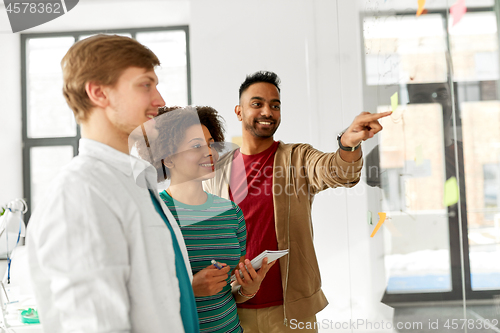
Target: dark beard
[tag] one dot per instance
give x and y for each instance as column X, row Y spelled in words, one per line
column 259, row 134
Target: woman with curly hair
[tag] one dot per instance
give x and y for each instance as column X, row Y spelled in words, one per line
column 185, row 152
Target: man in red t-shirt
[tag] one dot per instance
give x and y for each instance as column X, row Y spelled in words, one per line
column 273, row 182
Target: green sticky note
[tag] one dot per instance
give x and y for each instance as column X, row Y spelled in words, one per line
column 450, row 192
column 369, row 217
column 394, row 102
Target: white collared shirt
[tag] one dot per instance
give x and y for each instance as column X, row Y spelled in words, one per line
column 101, row 258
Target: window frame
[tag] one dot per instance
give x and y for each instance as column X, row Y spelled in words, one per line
column 28, row 142
column 461, row 285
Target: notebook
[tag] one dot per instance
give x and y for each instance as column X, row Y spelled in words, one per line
column 270, row 255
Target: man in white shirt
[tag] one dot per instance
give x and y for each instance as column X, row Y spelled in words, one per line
column 105, row 254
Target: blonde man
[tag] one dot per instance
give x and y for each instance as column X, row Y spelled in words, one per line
column 105, row 254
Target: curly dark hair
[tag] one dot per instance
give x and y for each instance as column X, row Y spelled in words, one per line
column 172, row 123
column 261, row 76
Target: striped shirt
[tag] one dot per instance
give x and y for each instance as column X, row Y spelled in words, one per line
column 214, row 230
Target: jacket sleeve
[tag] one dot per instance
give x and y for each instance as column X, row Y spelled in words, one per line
column 81, row 250
column 329, row 170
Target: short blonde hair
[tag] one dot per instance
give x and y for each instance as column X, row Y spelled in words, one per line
column 101, row 59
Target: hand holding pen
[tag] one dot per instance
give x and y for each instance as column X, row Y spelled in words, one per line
column 216, row 264
column 210, row 280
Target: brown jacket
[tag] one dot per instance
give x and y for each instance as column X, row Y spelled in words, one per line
column 299, row 172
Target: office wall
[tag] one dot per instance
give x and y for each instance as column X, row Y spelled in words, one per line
column 315, row 48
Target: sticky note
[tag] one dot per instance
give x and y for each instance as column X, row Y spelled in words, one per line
column 458, row 10
column 379, row 224
column 394, row 102
column 419, row 155
column 450, row 192
column 421, row 4
column 369, row 217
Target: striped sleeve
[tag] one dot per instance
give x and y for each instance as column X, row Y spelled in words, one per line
column 241, row 233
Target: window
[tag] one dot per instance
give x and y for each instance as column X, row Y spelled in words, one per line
column 446, row 126
column 491, row 173
column 50, row 133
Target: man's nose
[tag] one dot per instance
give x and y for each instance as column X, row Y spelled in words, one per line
column 157, row 99
column 266, row 111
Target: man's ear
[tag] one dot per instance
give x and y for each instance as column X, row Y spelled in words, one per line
column 237, row 111
column 98, row 94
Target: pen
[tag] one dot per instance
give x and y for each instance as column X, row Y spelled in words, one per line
column 216, row 264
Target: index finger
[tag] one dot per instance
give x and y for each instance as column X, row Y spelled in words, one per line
column 212, row 266
column 250, row 268
column 219, row 272
column 375, row 116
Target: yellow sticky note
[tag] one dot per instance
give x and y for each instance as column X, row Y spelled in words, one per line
column 419, row 155
column 421, row 4
column 394, row 102
column 450, row 192
column 379, row 224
